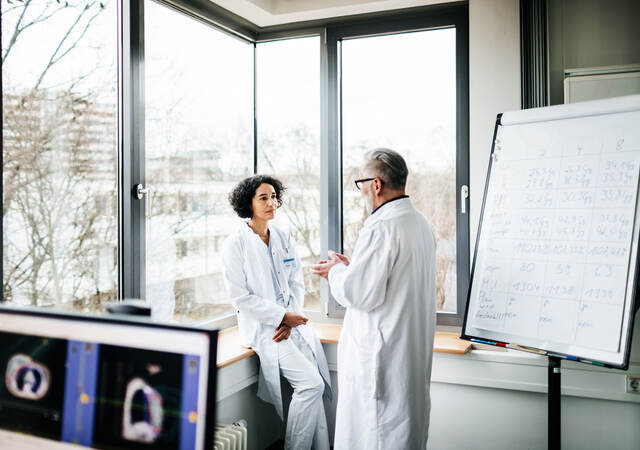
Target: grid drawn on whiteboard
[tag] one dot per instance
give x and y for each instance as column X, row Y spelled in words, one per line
column 559, row 216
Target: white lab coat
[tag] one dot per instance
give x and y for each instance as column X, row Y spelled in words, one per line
column 386, row 345
column 247, row 273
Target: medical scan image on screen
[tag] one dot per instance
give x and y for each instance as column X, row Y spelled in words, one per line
column 138, row 399
column 31, row 395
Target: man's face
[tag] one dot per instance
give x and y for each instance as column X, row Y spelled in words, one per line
column 367, row 188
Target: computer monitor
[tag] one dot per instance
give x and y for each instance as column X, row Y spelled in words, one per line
column 107, row 382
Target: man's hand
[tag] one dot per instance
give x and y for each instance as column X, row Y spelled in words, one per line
column 322, row 268
column 282, row 332
column 343, row 259
column 293, row 320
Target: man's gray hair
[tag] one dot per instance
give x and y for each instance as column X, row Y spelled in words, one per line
column 389, row 166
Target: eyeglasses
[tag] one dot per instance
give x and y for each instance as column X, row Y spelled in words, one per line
column 362, row 180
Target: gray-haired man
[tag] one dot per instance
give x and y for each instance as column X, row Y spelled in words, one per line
column 388, row 288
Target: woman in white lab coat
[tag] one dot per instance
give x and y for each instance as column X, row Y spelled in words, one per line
column 264, row 279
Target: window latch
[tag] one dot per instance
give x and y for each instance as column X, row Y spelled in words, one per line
column 144, row 192
column 464, row 195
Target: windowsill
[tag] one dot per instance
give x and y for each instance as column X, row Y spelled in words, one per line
column 455, row 361
column 231, row 350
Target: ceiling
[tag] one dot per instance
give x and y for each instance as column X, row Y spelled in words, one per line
column 264, row 13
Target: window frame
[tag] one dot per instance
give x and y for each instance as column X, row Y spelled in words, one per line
column 133, row 168
column 130, row 119
column 447, row 17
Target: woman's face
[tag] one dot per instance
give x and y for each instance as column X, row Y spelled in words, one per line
column 264, row 202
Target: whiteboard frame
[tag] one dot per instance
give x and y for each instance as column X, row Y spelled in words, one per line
column 628, row 314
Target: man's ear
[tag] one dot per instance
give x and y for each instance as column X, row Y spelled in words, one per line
column 378, row 186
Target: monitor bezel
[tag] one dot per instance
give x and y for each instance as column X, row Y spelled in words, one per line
column 141, row 321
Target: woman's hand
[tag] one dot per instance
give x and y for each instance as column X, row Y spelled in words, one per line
column 282, row 332
column 292, row 320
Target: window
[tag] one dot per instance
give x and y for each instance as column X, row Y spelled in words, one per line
column 402, row 83
column 198, row 144
column 288, row 118
column 59, row 153
column 191, row 104
column 399, row 92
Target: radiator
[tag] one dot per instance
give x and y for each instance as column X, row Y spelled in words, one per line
column 231, row 436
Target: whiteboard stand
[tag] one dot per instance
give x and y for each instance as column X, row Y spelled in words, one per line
column 554, row 398
column 556, row 268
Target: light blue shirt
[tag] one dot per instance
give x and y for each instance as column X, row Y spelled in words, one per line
column 295, row 336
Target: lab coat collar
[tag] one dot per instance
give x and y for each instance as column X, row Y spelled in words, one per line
column 275, row 236
column 246, row 229
column 390, row 209
column 389, row 201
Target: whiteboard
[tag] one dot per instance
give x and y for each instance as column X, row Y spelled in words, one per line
column 556, row 255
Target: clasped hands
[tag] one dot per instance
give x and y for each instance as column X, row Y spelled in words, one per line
column 289, row 322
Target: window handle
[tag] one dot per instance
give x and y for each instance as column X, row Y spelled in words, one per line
column 145, row 192
column 464, row 195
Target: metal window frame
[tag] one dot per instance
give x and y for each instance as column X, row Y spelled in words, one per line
column 131, row 167
column 334, row 31
column 534, row 54
column 131, row 128
column 452, row 16
column 131, row 138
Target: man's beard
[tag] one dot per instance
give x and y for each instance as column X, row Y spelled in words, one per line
column 368, row 204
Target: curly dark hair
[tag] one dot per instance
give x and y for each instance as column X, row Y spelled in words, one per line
column 241, row 196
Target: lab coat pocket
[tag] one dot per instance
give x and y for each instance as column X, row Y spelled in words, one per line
column 377, row 369
column 362, row 364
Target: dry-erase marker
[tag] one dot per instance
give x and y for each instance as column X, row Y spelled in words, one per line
column 595, row 363
column 480, row 341
column 572, row 358
column 527, row 349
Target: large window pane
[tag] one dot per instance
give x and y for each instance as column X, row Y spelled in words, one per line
column 59, row 152
column 399, row 91
column 199, row 143
column 288, row 109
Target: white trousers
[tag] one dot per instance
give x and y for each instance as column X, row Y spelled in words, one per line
column 306, row 422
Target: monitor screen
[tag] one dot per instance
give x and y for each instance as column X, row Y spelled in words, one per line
column 107, row 383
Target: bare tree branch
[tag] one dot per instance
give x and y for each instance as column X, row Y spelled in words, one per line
column 16, row 31
column 55, row 58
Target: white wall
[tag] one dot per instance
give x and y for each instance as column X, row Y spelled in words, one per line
column 468, row 417
column 494, row 85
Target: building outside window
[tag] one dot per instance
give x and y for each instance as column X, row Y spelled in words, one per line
column 59, row 153
column 198, row 144
column 217, row 107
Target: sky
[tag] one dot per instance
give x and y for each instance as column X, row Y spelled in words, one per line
column 395, row 88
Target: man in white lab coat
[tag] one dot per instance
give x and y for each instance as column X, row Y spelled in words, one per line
column 388, row 288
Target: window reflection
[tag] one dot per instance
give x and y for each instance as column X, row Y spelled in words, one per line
column 199, row 143
column 399, row 91
column 288, row 100
column 59, row 153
